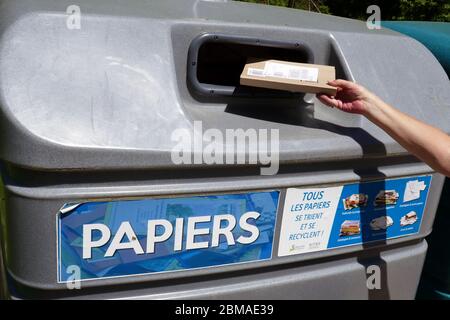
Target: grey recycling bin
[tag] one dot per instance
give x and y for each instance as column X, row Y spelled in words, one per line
column 96, row 96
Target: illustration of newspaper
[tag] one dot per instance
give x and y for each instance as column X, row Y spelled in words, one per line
column 355, row 201
column 386, row 197
column 412, row 190
column 349, row 228
column 381, row 223
column 409, row 218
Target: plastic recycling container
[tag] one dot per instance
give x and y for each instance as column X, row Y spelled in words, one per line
column 435, row 280
column 98, row 100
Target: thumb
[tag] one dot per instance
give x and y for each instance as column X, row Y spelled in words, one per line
column 340, row 83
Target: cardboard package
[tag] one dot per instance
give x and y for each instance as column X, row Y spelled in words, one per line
column 289, row 76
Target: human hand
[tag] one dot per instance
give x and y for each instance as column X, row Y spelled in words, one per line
column 350, row 97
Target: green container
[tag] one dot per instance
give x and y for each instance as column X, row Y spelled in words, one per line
column 436, row 270
column 435, row 282
column 434, row 35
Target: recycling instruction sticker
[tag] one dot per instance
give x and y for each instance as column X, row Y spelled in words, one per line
column 316, row 219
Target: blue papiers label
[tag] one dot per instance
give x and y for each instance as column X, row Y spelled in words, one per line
column 134, row 237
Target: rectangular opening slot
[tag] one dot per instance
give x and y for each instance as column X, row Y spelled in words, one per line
column 215, row 63
column 222, row 63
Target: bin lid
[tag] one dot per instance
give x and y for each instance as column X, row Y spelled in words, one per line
column 111, row 93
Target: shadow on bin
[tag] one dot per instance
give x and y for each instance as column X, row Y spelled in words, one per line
column 301, row 114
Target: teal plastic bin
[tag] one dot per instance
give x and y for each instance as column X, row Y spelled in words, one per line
column 435, row 281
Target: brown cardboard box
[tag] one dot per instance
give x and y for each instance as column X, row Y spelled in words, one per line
column 289, row 76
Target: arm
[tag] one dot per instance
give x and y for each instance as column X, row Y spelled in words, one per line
column 427, row 143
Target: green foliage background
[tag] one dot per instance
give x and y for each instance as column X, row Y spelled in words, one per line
column 416, row 10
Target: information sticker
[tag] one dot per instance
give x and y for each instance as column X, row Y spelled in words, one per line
column 316, row 219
